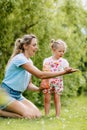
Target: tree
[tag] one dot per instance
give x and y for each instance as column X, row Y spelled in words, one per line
column 47, row 19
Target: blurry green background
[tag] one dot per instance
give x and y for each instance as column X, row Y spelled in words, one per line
column 47, row 19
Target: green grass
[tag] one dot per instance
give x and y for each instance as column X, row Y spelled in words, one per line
column 73, row 117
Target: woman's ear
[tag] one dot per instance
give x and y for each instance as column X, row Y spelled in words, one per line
column 25, row 46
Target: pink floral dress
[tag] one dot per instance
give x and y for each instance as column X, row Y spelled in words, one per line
column 56, row 84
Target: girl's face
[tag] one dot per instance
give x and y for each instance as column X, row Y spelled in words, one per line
column 59, row 51
column 32, row 47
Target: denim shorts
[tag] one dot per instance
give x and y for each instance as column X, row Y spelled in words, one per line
column 12, row 95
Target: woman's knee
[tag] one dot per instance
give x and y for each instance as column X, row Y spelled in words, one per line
column 31, row 115
column 25, row 115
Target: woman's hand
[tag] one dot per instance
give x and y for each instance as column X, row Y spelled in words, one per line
column 70, row 70
column 44, row 84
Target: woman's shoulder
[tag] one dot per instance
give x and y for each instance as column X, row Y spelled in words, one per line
column 20, row 55
column 21, row 59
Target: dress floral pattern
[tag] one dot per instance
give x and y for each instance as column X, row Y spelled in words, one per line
column 56, row 84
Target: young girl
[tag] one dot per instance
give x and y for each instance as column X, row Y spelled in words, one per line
column 55, row 63
column 17, row 79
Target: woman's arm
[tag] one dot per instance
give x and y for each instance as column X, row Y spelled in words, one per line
column 32, row 87
column 42, row 74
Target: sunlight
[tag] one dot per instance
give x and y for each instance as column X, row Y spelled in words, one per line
column 84, row 3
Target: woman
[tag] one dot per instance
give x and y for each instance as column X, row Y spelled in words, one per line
column 18, row 78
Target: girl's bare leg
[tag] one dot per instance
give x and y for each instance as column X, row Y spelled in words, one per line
column 57, row 104
column 47, row 97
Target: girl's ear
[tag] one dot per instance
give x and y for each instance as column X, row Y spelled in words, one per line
column 53, row 49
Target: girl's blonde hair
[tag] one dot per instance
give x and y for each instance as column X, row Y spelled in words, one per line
column 54, row 44
column 19, row 44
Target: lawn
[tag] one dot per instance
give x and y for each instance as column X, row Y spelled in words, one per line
column 73, row 117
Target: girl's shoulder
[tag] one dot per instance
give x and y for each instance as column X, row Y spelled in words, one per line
column 47, row 59
column 62, row 60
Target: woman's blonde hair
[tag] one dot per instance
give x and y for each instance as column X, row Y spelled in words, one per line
column 19, row 44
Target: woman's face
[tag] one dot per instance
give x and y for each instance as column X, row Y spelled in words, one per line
column 32, row 47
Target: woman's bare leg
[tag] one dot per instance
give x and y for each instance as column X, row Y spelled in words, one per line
column 47, row 98
column 57, row 104
column 4, row 113
column 35, row 111
column 24, row 108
